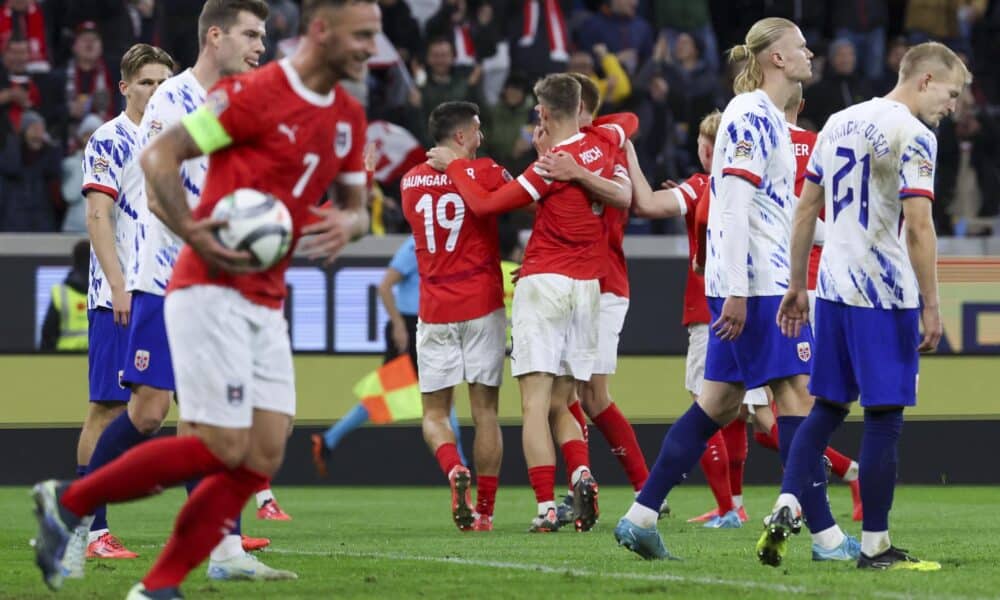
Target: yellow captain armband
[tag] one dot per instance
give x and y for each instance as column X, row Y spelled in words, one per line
column 206, row 130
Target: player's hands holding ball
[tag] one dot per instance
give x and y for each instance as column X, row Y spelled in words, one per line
column 733, row 318
column 440, row 157
column 201, row 236
column 793, row 312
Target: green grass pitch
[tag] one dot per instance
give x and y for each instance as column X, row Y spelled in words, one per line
column 393, row 542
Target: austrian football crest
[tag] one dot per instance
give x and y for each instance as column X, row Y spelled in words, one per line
column 342, row 143
column 141, row 361
column 805, row 352
column 234, row 394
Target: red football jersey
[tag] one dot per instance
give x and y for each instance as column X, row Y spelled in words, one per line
column 569, row 236
column 287, row 141
column 615, row 219
column 458, row 252
column 694, row 193
column 803, row 142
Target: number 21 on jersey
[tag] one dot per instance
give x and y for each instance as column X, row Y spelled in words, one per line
column 439, row 215
column 840, row 202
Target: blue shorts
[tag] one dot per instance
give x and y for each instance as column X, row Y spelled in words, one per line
column 761, row 353
column 147, row 357
column 105, row 353
column 866, row 351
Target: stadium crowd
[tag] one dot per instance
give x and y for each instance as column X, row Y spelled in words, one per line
column 661, row 59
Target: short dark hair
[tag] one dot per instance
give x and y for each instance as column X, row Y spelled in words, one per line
column 309, row 7
column 140, row 55
column 449, row 116
column 223, row 14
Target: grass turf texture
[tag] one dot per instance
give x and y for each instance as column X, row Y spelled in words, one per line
column 399, row 542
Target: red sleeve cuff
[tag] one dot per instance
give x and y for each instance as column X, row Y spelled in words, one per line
column 909, row 192
column 743, row 174
column 100, row 188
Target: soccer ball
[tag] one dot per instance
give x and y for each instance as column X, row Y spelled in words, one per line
column 256, row 222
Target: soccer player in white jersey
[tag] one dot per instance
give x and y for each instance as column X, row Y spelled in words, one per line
column 873, row 170
column 753, row 174
column 111, row 180
column 231, row 34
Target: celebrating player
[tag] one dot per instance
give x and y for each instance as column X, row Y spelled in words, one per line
column 111, row 183
column 557, row 297
column 461, row 330
column 873, row 169
column 594, row 395
column 242, row 398
column 753, row 174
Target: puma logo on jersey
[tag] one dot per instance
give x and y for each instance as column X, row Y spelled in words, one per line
column 590, row 155
column 288, row 132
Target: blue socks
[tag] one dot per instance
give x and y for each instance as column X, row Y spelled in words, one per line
column 119, row 436
column 356, row 417
column 237, row 525
column 878, row 466
column 101, row 513
column 787, row 426
column 805, row 477
column 683, row 445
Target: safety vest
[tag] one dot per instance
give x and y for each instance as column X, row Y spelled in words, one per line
column 72, row 308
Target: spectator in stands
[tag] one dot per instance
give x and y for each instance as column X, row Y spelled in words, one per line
column 65, row 326
column 674, row 17
column 507, row 125
column 23, row 19
column 890, row 70
column 839, row 88
column 401, row 28
column 442, row 82
column 87, row 78
column 947, row 21
column 75, row 220
column 656, row 87
column 615, row 86
column 809, row 16
column 863, row 22
column 472, row 28
column 30, row 170
column 18, row 92
column 180, row 31
column 539, row 36
column 282, row 23
column 617, row 26
column 146, row 16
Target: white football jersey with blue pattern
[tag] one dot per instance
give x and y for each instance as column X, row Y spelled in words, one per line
column 111, row 166
column 869, row 158
column 156, row 246
column 753, row 143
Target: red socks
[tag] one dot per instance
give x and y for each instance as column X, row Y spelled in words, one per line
column 486, row 493
column 448, row 457
column 621, row 437
column 543, row 481
column 735, row 435
column 264, row 485
column 581, row 419
column 839, row 463
column 768, row 440
column 203, row 521
column 142, row 471
column 576, row 454
column 715, row 464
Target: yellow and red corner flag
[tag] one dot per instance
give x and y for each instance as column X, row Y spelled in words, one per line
column 390, row 392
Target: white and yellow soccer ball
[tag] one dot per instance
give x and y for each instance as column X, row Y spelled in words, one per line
column 256, row 222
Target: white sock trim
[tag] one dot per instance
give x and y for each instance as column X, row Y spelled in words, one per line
column 737, row 500
column 829, row 538
column 643, row 516
column 543, row 507
column 263, row 496
column 852, row 472
column 579, row 472
column 93, row 535
column 231, row 546
column 874, row 543
column 790, row 501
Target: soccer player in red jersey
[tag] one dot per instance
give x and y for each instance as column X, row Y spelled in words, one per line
column 462, row 323
column 288, row 130
column 557, row 297
column 594, row 396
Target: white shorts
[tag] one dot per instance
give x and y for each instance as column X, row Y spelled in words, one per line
column 609, row 328
column 555, row 325
column 755, row 397
column 230, row 356
column 450, row 353
column 694, row 368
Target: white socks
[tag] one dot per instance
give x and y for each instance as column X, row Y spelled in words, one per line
column 829, row 538
column 579, row 472
column 643, row 516
column 852, row 472
column 230, row 547
column 543, row 507
column 263, row 497
column 737, row 501
column 874, row 543
column 790, row 501
column 93, row 535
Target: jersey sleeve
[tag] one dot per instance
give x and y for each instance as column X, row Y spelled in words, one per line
column 481, row 201
column 749, row 142
column 623, row 125
column 492, row 176
column 701, row 223
column 532, row 182
column 352, row 169
column 814, row 168
column 161, row 112
column 231, row 114
column 916, row 173
column 102, row 165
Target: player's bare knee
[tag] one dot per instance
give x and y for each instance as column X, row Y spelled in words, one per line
column 230, row 446
column 148, row 408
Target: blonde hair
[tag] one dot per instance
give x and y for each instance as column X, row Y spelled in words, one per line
column 709, row 125
column 560, row 93
column 590, row 94
column 760, row 37
column 916, row 60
